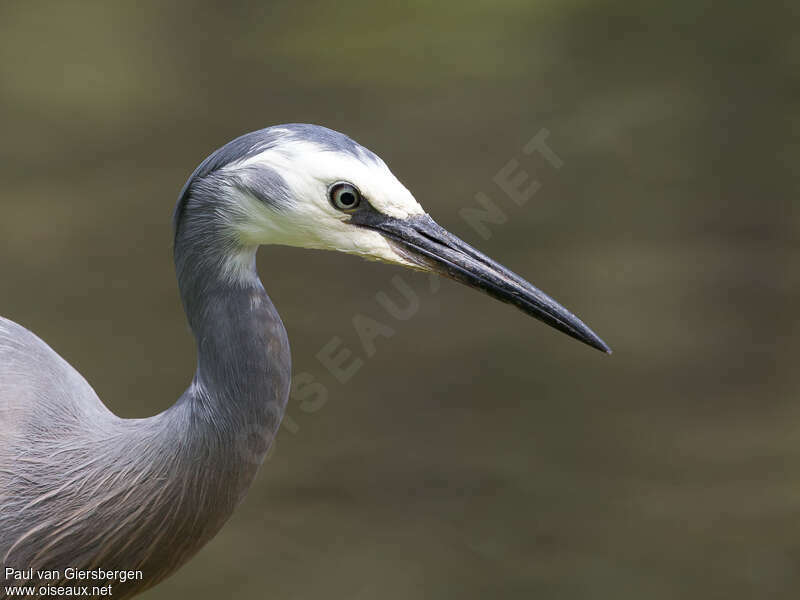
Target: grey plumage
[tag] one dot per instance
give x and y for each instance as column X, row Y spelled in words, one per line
column 81, row 487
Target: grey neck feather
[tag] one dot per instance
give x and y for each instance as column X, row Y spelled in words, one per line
column 227, row 419
column 147, row 494
column 242, row 381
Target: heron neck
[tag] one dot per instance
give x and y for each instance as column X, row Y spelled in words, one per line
column 242, row 380
column 191, row 465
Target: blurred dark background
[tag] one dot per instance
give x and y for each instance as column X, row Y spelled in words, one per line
column 477, row 453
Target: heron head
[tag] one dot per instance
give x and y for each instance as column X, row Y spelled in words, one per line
column 308, row 186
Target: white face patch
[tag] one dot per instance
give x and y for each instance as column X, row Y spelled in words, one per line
column 309, row 220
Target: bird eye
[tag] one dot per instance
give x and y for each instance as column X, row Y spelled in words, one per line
column 344, row 196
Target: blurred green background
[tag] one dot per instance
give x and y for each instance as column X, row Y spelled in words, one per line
column 477, row 453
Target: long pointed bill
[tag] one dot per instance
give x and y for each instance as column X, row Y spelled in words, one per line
column 421, row 241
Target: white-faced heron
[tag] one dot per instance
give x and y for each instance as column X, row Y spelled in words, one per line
column 81, row 488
